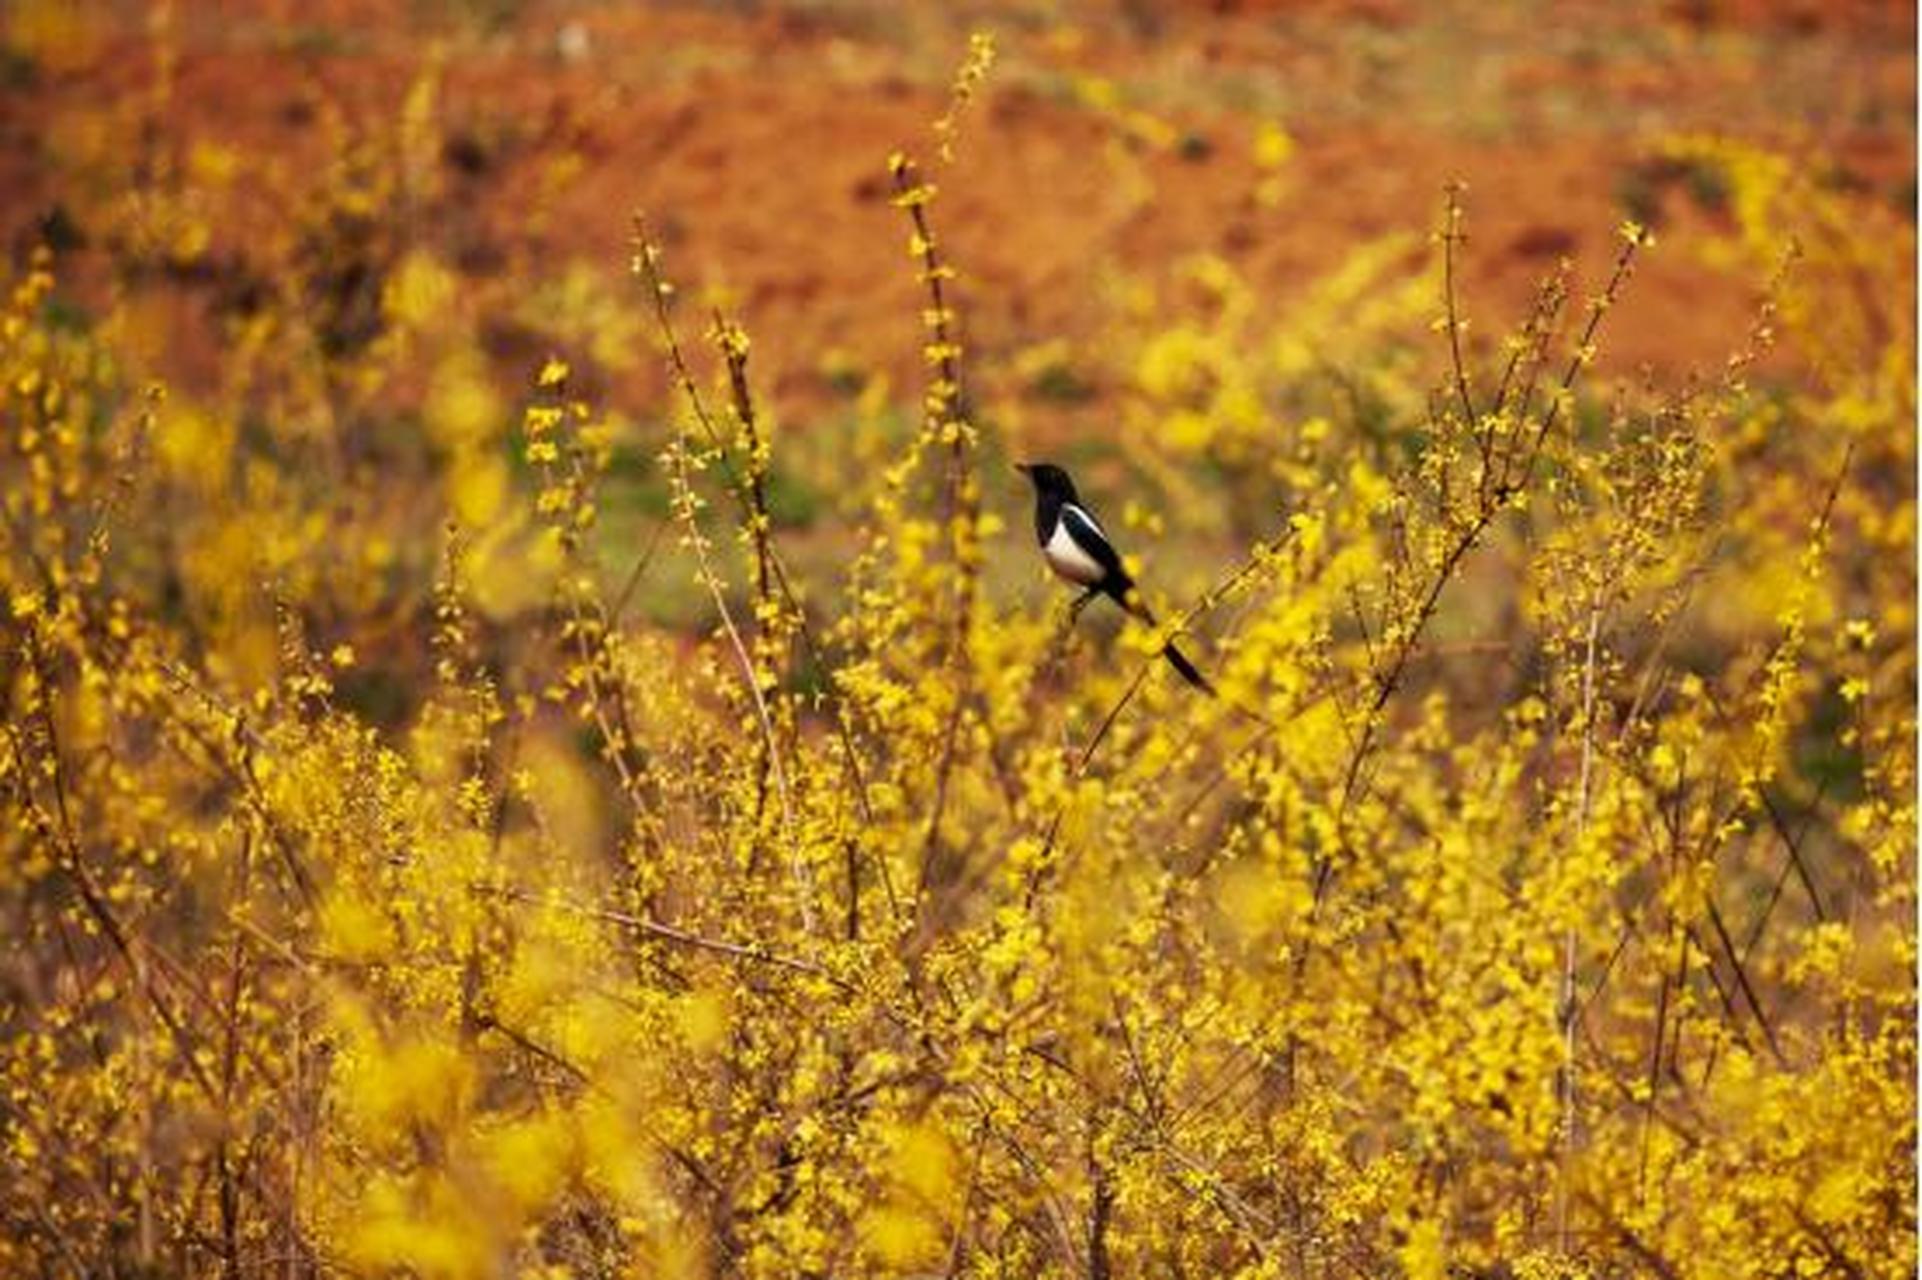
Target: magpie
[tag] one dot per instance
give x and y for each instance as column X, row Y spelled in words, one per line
column 1073, row 544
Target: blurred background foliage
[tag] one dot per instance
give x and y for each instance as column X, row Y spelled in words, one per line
column 491, row 792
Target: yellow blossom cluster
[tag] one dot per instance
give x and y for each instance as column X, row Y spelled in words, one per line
column 1537, row 898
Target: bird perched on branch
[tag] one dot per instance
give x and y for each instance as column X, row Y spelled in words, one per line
column 1077, row 549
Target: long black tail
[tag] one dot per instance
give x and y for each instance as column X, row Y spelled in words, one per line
column 1130, row 599
column 1179, row 661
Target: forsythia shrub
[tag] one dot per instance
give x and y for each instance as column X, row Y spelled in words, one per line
column 890, row 930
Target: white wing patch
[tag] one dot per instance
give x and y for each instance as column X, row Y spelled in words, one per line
column 1076, row 511
column 1065, row 557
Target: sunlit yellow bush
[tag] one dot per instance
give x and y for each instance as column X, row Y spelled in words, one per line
column 1536, row 899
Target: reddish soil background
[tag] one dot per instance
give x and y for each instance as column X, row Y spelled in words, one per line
column 1112, row 139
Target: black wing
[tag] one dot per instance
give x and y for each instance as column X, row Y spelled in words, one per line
column 1088, row 536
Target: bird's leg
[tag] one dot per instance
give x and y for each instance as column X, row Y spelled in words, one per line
column 1064, row 633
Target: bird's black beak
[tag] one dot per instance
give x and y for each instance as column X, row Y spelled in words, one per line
column 1025, row 468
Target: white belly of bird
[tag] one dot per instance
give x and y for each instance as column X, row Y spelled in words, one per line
column 1066, row 558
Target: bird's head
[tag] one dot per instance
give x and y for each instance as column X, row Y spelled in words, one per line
column 1048, row 478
